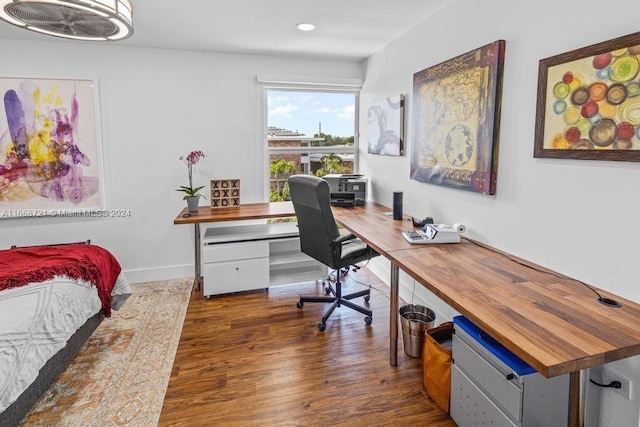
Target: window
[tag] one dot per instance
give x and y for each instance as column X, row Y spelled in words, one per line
column 310, row 132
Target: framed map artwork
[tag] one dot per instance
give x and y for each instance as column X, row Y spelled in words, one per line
column 385, row 126
column 456, row 118
column 589, row 103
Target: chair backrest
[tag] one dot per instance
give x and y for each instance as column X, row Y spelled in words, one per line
column 311, row 200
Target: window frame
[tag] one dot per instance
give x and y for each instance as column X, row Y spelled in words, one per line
column 306, row 88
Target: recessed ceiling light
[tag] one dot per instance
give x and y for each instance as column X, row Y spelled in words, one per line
column 306, row 26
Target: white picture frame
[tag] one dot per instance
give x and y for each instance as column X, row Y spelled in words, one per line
column 50, row 148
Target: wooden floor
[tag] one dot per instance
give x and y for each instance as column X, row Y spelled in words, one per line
column 254, row 359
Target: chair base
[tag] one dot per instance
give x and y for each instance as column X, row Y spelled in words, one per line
column 336, row 300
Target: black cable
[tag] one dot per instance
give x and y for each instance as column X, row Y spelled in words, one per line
column 602, row 300
column 362, row 283
column 612, row 384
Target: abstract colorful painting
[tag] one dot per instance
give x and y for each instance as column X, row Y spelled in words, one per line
column 456, row 116
column 589, row 102
column 49, row 147
column 385, row 127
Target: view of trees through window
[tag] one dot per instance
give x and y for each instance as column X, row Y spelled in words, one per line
column 310, row 133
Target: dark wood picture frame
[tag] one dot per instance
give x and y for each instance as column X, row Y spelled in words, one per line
column 456, row 120
column 588, row 104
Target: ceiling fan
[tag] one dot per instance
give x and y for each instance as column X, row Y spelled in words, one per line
column 95, row 20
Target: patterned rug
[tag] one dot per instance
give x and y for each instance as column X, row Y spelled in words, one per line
column 120, row 375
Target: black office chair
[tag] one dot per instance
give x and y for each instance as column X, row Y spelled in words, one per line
column 321, row 240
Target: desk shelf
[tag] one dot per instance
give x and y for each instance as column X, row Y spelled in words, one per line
column 297, row 275
column 277, row 259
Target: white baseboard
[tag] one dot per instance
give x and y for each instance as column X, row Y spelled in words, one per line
column 410, row 291
column 159, row 273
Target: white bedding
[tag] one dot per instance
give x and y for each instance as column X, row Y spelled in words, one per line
column 36, row 321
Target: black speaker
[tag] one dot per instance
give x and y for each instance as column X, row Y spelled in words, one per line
column 397, row 205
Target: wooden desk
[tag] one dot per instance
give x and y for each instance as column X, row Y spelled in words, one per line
column 236, row 213
column 554, row 324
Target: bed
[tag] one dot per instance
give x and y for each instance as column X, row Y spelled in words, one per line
column 51, row 300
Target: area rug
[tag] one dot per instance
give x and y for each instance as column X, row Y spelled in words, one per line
column 120, row 375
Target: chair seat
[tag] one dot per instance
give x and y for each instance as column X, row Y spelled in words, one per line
column 354, row 251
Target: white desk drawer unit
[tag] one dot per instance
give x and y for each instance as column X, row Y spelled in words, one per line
column 233, row 251
column 254, row 256
column 492, row 386
column 235, row 267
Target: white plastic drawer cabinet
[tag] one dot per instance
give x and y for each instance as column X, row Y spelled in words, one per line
column 492, row 386
column 254, row 256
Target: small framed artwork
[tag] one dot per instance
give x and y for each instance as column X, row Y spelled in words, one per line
column 456, row 119
column 588, row 103
column 385, row 126
column 50, row 154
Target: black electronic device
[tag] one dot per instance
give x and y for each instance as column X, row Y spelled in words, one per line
column 422, row 222
column 346, row 200
column 397, row 205
column 347, row 189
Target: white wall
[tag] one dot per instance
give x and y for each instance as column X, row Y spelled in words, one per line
column 155, row 106
column 544, row 209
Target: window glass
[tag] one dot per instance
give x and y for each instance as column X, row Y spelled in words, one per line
column 309, row 132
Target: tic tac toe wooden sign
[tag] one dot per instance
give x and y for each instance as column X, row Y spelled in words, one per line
column 225, row 193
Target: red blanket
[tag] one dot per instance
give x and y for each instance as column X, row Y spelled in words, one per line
column 94, row 264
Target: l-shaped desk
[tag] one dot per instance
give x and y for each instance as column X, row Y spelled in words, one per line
column 553, row 323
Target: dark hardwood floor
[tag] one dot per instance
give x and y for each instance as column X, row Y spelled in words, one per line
column 254, row 359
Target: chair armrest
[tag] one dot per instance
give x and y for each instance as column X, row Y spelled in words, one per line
column 336, row 245
column 343, row 238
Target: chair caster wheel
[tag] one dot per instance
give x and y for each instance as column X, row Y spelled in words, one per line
column 367, row 298
column 322, row 326
column 299, row 304
column 327, row 290
column 368, row 320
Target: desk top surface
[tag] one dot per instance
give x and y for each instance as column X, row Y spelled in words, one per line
column 236, row 213
column 553, row 323
column 374, row 224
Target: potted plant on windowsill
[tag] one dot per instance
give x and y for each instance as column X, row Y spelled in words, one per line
column 191, row 194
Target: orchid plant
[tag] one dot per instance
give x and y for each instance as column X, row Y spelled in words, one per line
column 191, row 160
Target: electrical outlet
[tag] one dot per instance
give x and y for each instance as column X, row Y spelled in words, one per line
column 609, row 375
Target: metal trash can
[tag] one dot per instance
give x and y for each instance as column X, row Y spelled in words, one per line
column 415, row 320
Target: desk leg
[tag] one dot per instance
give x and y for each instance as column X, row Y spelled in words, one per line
column 197, row 281
column 393, row 316
column 574, row 399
